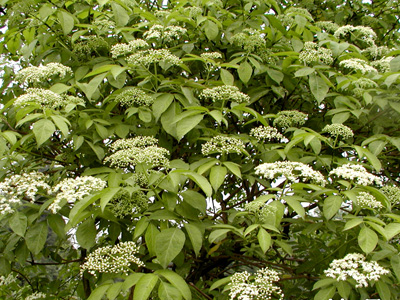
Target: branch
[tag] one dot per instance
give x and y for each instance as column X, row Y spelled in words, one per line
column 200, row 291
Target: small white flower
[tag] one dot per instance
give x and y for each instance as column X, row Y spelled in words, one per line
column 115, row 259
column 354, row 266
column 337, row 130
column 165, row 33
column 134, row 96
column 223, row 145
column 46, row 99
column 290, row 118
column 366, row 34
column 356, row 173
column 40, row 74
column 357, row 64
column 147, row 57
column 224, row 93
column 291, row 170
column 268, row 133
column 392, row 193
column 365, row 199
column 314, row 53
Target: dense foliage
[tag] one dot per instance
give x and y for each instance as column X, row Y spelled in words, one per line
column 199, row 149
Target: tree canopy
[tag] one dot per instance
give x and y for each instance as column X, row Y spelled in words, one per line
column 200, row 149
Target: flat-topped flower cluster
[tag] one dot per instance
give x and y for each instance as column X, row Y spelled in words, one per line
column 314, row 53
column 137, row 150
column 356, row 173
column 244, row 286
column 354, row 266
column 134, row 96
column 112, row 259
column 290, row 170
column 224, row 93
column 223, row 145
column 268, row 133
column 46, row 99
column 40, row 74
column 290, row 118
column 338, row 130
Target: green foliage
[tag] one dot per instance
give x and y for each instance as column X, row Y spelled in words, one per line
column 169, row 118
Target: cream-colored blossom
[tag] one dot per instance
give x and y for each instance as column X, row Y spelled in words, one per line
column 42, row 73
column 313, row 53
column 268, row 133
column 151, row 56
column 223, row 145
column 356, row 173
column 46, row 99
column 338, row 130
column 244, row 286
column 392, row 193
column 224, row 93
column 365, row 199
column 165, row 33
column 112, row 259
column 354, row 266
column 363, row 33
column 290, row 170
column 356, row 64
column 133, row 96
column 124, row 49
column 290, row 118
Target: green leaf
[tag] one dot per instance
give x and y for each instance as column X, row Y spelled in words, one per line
column 352, row 223
column 43, row 130
column 187, row 124
column 217, row 235
column 295, row 204
column 121, row 16
column 304, row 72
column 395, row 263
column 195, row 200
column 326, row 293
column 331, row 206
column 367, row 239
column 201, row 181
column 323, row 282
column 18, row 223
column 383, row 290
column 245, row 71
column 106, row 195
column 227, row 77
column 66, row 21
column 161, row 104
column 395, row 64
column 169, row 243
column 264, row 239
column 344, row 288
column 62, row 124
column 195, row 236
column 144, row 286
column 275, row 75
column 36, row 236
column 57, row 224
column 99, row 292
column 177, row 281
column 90, row 88
column 131, row 280
column 217, row 176
column 220, row 282
column 392, row 230
column 140, row 227
column 86, row 234
column 233, row 168
column 318, row 87
column 114, row 290
column 167, row 291
column 211, row 30
column 151, row 238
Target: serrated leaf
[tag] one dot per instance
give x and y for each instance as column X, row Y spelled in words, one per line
column 264, row 239
column 121, row 16
column 36, row 236
column 227, row 77
column 195, row 236
column 177, row 281
column 43, row 130
column 217, row 176
column 86, row 234
column 211, row 30
column 367, row 239
column 169, row 243
column 326, row 293
column 318, row 87
column 167, row 291
column 331, row 206
column 352, row 223
column 245, row 71
column 66, row 21
column 145, row 286
column 18, row 223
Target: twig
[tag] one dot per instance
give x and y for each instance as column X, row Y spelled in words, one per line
column 200, row 291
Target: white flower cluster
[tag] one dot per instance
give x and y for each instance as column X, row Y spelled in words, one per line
column 134, row 96
column 211, row 55
column 116, row 259
column 314, row 53
column 152, row 56
column 268, row 133
column 353, row 265
column 364, row 83
column 356, row 173
column 42, row 73
column 261, row 210
column 338, row 130
column 224, row 93
column 162, row 13
column 357, row 64
column 288, row 19
column 291, row 170
column 290, row 118
column 124, row 49
column 374, row 51
column 328, row 26
column 165, row 33
column 18, row 187
column 365, row 34
column 124, row 204
column 36, row 295
column 250, row 40
column 90, row 44
column 46, row 99
column 6, row 281
column 130, row 152
column 383, row 64
column 222, row 144
column 103, row 24
column 261, row 286
column 365, row 199
column 71, row 190
column 193, row 11
column 392, row 193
